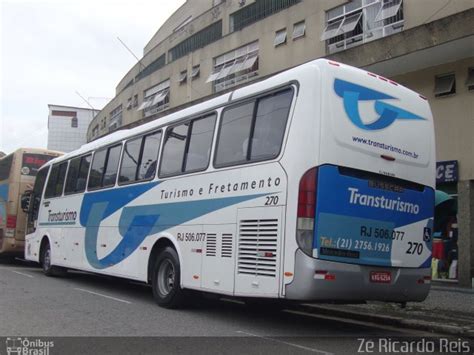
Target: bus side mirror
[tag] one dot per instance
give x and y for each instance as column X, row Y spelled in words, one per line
column 25, row 201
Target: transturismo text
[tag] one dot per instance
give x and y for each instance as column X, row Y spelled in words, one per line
column 398, row 205
column 62, row 216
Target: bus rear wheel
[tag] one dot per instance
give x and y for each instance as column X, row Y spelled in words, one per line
column 48, row 268
column 166, row 278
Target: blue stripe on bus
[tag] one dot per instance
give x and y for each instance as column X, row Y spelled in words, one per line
column 138, row 222
column 3, row 202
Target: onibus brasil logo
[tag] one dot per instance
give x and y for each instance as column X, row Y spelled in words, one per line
column 26, row 346
column 353, row 93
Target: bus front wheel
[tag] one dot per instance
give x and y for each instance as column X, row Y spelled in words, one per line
column 167, row 291
column 48, row 268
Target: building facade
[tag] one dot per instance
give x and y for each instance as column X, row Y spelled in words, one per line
column 67, row 127
column 209, row 47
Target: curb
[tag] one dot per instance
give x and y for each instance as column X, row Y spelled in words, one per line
column 388, row 320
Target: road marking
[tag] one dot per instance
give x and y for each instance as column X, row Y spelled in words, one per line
column 21, row 273
column 314, row 350
column 102, row 295
column 364, row 323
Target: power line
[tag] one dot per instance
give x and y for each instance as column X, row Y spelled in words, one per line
column 130, row 51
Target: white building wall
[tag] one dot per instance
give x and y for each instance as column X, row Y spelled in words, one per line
column 62, row 136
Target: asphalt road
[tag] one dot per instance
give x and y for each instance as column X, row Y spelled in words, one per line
column 85, row 305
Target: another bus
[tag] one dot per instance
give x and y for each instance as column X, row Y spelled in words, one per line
column 17, row 174
column 314, row 184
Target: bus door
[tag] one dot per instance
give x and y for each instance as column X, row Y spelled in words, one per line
column 259, row 245
column 36, row 200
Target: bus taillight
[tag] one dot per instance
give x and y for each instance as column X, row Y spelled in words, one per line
column 306, row 211
column 11, row 221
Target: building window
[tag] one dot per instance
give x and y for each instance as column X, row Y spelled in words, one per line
column 64, row 113
column 74, row 122
column 198, row 40
column 95, row 131
column 361, row 21
column 115, row 118
column 157, row 64
column 183, row 77
column 445, row 85
column 156, row 99
column 389, row 9
column 470, row 79
column 184, row 23
column 280, row 37
column 299, row 30
column 257, row 11
column 235, row 67
column 135, row 100
column 195, row 72
column 129, row 103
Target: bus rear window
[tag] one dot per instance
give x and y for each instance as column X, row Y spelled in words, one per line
column 32, row 162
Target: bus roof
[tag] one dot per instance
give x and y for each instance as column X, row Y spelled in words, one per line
column 278, row 79
column 34, row 151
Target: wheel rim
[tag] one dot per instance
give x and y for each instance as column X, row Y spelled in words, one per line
column 47, row 259
column 166, row 276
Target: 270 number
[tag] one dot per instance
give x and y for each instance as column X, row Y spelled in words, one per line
column 271, row 200
column 414, row 247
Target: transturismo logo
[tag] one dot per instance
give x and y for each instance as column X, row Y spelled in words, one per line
column 398, row 205
column 67, row 216
column 25, row 346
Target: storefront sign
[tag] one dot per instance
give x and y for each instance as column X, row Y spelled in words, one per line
column 446, row 171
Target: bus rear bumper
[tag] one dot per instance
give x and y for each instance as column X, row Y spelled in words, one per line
column 351, row 282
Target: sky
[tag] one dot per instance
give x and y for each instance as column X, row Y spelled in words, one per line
column 49, row 50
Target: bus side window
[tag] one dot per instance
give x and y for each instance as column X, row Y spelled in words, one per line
column 82, row 175
column 72, row 176
column 113, row 157
column 130, row 160
column 77, row 174
column 200, row 141
column 187, row 146
column 234, row 132
column 149, row 158
column 270, row 123
column 104, row 167
column 97, row 170
column 173, row 150
column 252, row 133
column 54, row 188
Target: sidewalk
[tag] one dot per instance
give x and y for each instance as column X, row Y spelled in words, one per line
column 447, row 309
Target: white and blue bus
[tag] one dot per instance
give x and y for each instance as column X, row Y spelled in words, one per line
column 314, row 184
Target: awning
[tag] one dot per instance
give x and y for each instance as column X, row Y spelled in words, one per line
column 349, row 23
column 331, row 30
column 160, row 97
column 388, row 9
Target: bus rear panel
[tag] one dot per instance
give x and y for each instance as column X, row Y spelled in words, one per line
column 365, row 213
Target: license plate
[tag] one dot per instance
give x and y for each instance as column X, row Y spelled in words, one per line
column 383, row 277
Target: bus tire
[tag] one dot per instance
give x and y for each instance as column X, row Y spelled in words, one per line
column 166, row 277
column 48, row 268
